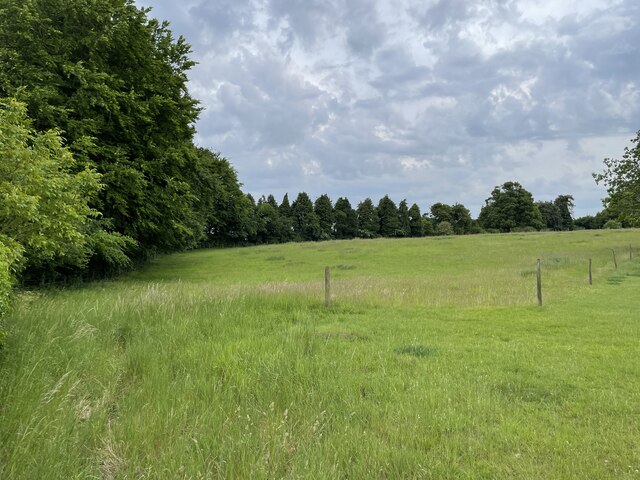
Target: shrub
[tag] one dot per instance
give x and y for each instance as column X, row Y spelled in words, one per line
column 444, row 228
column 10, row 261
column 612, row 224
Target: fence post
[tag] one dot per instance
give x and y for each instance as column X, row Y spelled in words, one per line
column 590, row 277
column 539, row 283
column 327, row 286
column 615, row 262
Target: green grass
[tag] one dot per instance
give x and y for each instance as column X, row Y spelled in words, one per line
column 433, row 362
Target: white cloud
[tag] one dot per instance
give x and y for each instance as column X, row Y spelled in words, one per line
column 436, row 100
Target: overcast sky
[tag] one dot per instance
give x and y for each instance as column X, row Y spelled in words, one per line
column 432, row 101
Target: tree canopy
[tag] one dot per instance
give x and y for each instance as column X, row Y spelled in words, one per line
column 622, row 179
column 510, row 207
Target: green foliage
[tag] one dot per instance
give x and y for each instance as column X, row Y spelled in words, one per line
column 612, row 225
column 551, row 215
column 444, row 228
column 404, row 222
column 441, row 212
column 510, row 206
column 388, row 217
column 565, row 206
column 324, row 211
column 427, row 225
column 346, row 225
column 45, row 198
column 416, row 225
column 115, row 83
column 622, row 179
column 10, row 264
column 219, row 204
column 461, row 220
column 368, row 221
column 305, row 222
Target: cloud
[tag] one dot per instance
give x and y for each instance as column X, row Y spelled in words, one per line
column 429, row 100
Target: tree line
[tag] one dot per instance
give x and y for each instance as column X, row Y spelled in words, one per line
column 510, row 208
column 99, row 170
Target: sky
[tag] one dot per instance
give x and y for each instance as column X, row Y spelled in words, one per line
column 428, row 100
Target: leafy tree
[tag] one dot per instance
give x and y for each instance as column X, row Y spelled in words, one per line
column 565, row 207
column 388, row 217
column 286, row 215
column 510, row 207
column 444, row 228
column 269, row 222
column 115, row 82
column 622, row 179
column 416, row 225
column 305, row 222
column 441, row 212
column 44, row 213
column 346, row 225
column 460, row 219
column 551, row 215
column 253, row 224
column 368, row 221
column 403, row 219
column 324, row 211
column 594, row 222
column 427, row 225
column 271, row 200
column 221, row 206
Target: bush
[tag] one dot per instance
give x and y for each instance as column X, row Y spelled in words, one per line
column 444, row 228
column 10, row 261
column 612, row 224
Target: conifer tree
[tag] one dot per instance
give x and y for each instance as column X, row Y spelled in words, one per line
column 346, row 219
column 368, row 221
column 388, row 217
column 324, row 211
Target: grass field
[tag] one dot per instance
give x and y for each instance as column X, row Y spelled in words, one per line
column 433, row 362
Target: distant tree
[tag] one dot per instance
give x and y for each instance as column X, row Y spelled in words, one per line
column 45, row 215
column 269, row 222
column 346, row 219
column 427, row 225
column 285, row 207
column 368, row 221
column 594, row 222
column 510, row 207
column 225, row 209
column 441, row 212
column 444, row 228
column 461, row 220
column 565, row 206
column 305, row 222
column 403, row 219
column 416, row 226
column 286, row 216
column 252, row 221
column 388, row 217
column 324, row 211
column 271, row 200
column 551, row 215
column 622, row 179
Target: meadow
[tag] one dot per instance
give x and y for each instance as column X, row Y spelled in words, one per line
column 434, row 361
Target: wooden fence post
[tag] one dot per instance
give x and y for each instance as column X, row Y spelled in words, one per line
column 327, row 286
column 590, row 277
column 539, row 283
column 615, row 262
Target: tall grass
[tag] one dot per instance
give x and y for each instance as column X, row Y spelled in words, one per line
column 434, row 362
